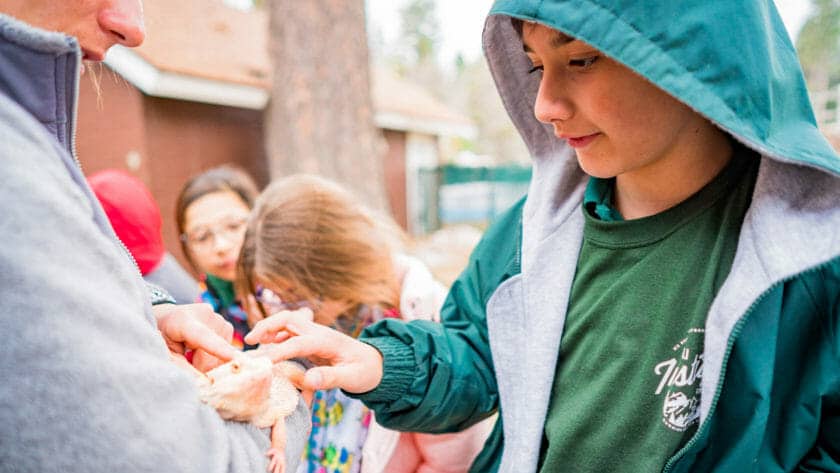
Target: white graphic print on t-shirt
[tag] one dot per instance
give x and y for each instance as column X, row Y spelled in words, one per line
column 679, row 382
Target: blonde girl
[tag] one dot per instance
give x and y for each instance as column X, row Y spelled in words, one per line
column 309, row 243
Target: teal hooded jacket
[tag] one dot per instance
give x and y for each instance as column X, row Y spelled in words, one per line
column 770, row 396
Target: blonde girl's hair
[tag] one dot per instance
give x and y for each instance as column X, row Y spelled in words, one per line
column 309, row 237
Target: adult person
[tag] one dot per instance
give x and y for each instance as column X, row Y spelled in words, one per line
column 89, row 384
column 136, row 219
column 667, row 297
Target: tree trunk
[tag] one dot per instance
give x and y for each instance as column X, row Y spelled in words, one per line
column 320, row 117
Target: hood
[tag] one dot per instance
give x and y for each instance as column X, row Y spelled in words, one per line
column 133, row 213
column 757, row 94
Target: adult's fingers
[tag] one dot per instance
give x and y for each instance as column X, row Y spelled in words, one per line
column 198, row 336
column 204, row 361
column 190, row 325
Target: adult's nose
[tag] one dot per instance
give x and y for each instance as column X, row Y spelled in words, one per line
column 123, row 20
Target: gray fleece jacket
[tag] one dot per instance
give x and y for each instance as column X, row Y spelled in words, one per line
column 87, row 384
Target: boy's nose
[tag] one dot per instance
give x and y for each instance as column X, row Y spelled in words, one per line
column 552, row 104
column 123, row 20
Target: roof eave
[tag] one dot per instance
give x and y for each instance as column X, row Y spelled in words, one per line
column 429, row 126
column 156, row 83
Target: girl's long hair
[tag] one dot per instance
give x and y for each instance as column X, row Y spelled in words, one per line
column 310, row 239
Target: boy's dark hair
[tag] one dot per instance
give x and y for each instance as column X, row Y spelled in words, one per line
column 219, row 179
column 517, row 26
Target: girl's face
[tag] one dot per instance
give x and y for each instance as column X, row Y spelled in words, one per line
column 275, row 299
column 214, row 228
column 617, row 122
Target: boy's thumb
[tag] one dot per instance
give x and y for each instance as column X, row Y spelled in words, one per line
column 329, row 377
column 316, row 379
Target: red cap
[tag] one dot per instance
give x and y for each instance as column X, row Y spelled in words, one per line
column 133, row 213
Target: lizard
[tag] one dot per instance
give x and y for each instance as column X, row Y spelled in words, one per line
column 255, row 390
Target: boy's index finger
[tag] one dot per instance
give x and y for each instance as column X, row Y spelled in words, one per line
column 295, row 347
column 266, row 329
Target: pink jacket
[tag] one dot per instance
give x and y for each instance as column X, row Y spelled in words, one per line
column 389, row 451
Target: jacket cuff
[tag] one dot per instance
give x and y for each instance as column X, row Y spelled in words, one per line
column 159, row 295
column 398, row 370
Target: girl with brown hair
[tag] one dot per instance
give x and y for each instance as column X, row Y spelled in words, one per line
column 211, row 212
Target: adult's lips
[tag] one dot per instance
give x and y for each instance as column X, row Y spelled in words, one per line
column 91, row 55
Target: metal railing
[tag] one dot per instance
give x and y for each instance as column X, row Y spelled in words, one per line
column 457, row 194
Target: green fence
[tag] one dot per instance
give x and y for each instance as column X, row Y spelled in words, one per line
column 455, row 194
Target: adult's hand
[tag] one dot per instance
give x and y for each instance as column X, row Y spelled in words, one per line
column 344, row 362
column 196, row 327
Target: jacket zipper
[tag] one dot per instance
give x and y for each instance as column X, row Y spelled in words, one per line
column 75, row 107
column 72, row 124
column 736, row 330
column 517, row 259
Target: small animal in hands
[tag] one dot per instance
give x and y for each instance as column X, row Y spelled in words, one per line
column 253, row 389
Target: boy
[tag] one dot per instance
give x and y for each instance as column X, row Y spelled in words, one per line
column 667, row 297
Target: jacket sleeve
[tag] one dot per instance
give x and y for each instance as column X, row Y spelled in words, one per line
column 87, row 380
column 439, row 377
column 825, row 454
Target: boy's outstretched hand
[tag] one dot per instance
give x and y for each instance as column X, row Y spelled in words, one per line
column 344, row 362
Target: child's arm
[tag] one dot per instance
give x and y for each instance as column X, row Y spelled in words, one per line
column 419, row 376
column 437, row 378
column 440, row 377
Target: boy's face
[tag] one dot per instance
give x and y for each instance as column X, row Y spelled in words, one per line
column 618, row 122
column 97, row 24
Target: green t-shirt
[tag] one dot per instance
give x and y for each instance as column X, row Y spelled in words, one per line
column 626, row 392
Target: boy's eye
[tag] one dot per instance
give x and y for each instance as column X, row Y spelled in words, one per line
column 535, row 69
column 583, row 63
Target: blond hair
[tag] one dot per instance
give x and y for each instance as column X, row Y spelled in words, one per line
column 309, row 236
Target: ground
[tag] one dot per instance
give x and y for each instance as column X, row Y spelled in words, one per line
column 447, row 250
